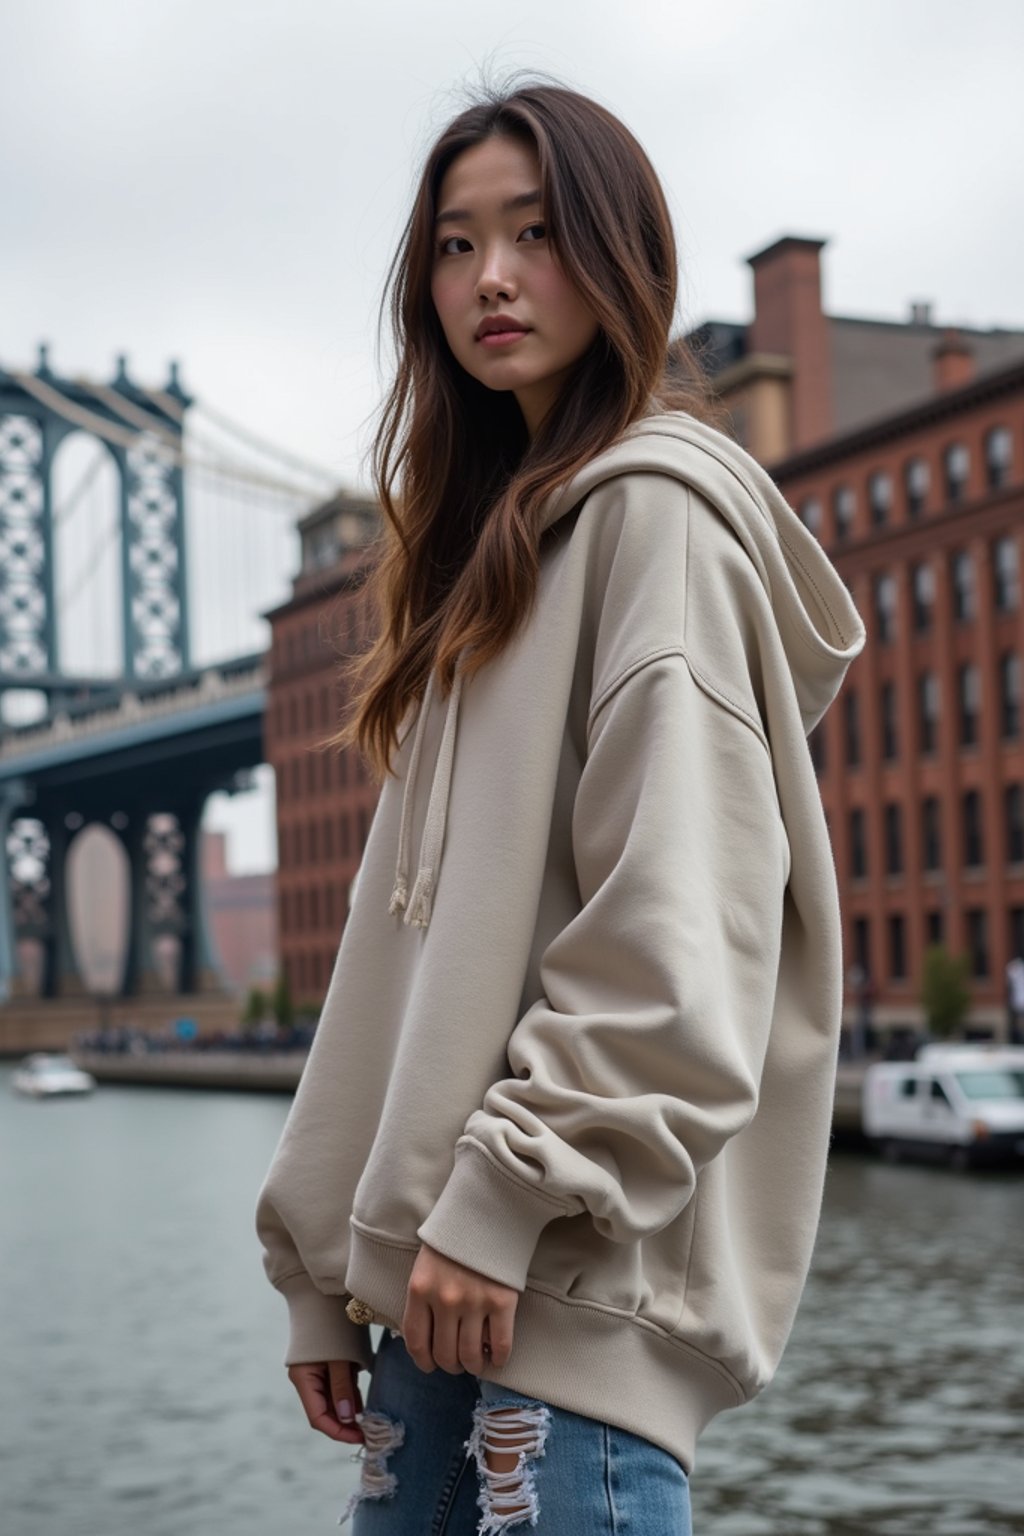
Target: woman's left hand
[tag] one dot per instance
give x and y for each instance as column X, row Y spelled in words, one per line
column 451, row 1312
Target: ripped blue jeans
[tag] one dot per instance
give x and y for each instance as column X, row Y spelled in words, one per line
column 449, row 1455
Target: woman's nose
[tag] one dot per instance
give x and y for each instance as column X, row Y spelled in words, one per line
column 497, row 278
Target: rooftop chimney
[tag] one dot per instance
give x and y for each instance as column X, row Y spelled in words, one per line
column 921, row 312
column 952, row 360
column 789, row 322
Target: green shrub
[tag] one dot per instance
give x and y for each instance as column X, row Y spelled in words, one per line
column 945, row 991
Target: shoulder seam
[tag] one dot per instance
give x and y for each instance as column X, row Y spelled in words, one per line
column 703, row 682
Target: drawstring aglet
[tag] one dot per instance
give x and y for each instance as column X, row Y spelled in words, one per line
column 399, row 897
column 418, row 914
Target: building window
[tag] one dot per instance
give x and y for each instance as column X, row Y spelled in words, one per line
column 1006, row 574
column 844, row 507
column 957, row 463
column 329, row 903
column 890, row 732
column 851, row 720
column 858, row 844
column 931, row 833
column 307, row 710
column 282, row 912
column 862, row 943
column 296, row 778
column 893, row 839
column 293, row 716
column 810, row 514
column 977, row 940
column 964, row 604
column 970, row 700
column 934, row 929
column 1016, row 916
column 924, row 595
column 998, row 457
column 328, row 839
column 928, row 712
column 897, row 947
column 1009, row 694
column 1013, row 808
column 974, row 842
column 343, row 769
column 885, row 606
column 364, row 827
column 916, row 478
column 880, row 497
column 299, row 898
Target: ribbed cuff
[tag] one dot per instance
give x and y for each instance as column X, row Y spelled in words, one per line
column 319, row 1329
column 486, row 1220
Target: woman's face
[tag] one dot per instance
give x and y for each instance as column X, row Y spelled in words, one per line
column 494, row 261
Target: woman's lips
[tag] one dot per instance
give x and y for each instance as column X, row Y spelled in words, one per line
column 501, row 338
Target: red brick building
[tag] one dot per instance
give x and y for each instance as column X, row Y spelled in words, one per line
column 325, row 799
column 242, row 914
column 902, row 447
column 921, row 760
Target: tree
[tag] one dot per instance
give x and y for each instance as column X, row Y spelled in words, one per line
column 284, row 1012
column 945, row 991
column 255, row 1008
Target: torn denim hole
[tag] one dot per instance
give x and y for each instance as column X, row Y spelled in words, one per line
column 381, row 1436
column 508, row 1497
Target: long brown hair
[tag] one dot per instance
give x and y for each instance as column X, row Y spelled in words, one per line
column 456, row 566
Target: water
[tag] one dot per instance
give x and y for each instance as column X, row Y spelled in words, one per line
column 142, row 1390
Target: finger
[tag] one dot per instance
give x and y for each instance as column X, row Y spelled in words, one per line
column 345, row 1399
column 312, row 1382
column 472, row 1333
column 500, row 1328
column 417, row 1330
column 447, row 1320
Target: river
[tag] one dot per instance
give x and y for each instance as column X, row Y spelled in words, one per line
column 142, row 1394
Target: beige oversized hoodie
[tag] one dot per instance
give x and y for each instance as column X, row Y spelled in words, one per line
column 582, row 1029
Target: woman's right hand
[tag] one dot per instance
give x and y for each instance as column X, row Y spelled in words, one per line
column 330, row 1396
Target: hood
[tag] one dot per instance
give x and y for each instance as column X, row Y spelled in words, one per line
column 819, row 625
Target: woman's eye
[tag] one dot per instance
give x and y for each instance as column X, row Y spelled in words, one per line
column 529, row 232
column 451, row 240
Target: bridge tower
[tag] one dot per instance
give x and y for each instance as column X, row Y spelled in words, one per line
column 158, row 823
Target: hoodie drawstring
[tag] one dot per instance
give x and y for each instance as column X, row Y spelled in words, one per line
column 417, row 907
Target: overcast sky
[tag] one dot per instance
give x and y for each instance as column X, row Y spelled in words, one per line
column 223, row 181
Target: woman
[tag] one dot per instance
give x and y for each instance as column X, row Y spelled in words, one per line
column 563, row 1127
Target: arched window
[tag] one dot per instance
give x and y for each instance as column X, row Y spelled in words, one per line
column 916, row 479
column 957, row 462
column 810, row 514
column 998, row 457
column 880, row 497
column 844, row 507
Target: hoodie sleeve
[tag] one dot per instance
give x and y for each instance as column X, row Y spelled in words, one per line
column 645, row 1053
column 318, row 1327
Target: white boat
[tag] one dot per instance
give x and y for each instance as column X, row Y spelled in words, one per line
column 47, row 1074
column 963, row 1103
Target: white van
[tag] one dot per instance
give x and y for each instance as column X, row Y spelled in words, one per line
column 964, row 1103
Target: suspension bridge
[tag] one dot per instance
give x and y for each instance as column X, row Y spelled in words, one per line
column 142, row 537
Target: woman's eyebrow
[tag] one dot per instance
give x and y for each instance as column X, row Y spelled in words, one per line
column 460, row 215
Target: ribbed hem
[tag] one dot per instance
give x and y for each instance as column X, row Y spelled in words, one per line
column 318, row 1327
column 602, row 1364
column 463, row 1225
